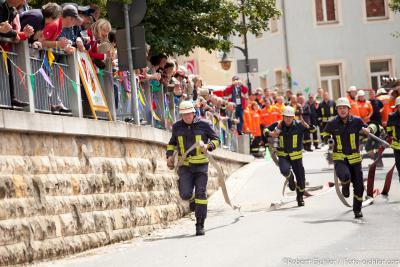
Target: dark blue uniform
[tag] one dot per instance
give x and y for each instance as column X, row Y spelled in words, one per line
column 325, row 112
column 290, row 153
column 346, row 154
column 393, row 129
column 194, row 172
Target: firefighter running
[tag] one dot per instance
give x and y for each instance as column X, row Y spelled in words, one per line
column 290, row 133
column 193, row 174
column 393, row 129
column 345, row 130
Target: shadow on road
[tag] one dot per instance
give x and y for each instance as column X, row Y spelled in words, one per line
column 236, row 220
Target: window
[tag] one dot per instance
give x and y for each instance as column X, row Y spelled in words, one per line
column 326, row 11
column 263, row 81
column 279, row 80
column 376, row 9
column 379, row 69
column 331, row 79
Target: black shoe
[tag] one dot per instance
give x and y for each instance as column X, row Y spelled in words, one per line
column 200, row 226
column 346, row 190
column 18, row 103
column 308, row 149
column 192, row 206
column 292, row 184
column 317, row 147
column 358, row 214
column 129, row 120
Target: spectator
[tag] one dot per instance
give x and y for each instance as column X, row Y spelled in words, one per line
column 237, row 93
column 364, row 107
column 259, row 97
column 298, row 110
column 288, row 96
column 38, row 18
column 351, row 96
column 10, row 27
column 97, row 12
column 279, row 107
column 197, row 84
column 99, row 33
column 385, row 99
column 313, row 106
column 52, row 29
column 268, row 96
column 70, row 20
column 320, row 95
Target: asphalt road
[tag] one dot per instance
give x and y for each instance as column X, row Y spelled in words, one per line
column 323, row 233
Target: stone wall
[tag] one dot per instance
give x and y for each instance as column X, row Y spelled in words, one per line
column 63, row 194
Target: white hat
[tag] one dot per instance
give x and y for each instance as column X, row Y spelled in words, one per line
column 361, row 93
column 343, row 101
column 288, row 111
column 381, row 91
column 186, row 107
column 352, row 88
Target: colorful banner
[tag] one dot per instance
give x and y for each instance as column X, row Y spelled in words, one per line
column 45, row 77
column 51, row 57
column 4, row 59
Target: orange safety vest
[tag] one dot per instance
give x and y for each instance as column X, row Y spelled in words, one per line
column 268, row 115
column 365, row 109
column 354, row 107
column 387, row 109
column 279, row 109
column 247, row 121
column 255, row 117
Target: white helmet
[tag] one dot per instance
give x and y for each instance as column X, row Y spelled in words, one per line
column 186, row 107
column 361, row 93
column 343, row 101
column 352, row 88
column 381, row 91
column 288, row 111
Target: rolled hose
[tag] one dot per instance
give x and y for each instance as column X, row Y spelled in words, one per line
column 220, row 174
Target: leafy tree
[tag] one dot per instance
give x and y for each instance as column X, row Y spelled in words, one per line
column 179, row 26
column 395, row 5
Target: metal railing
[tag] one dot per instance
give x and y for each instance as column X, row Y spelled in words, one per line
column 157, row 105
column 10, row 81
column 45, row 95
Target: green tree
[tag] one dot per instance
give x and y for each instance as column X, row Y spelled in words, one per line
column 179, row 26
column 395, row 5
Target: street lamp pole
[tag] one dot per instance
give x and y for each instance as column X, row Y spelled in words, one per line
column 245, row 50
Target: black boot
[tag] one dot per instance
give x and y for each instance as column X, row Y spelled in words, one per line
column 200, row 226
column 307, row 147
column 292, row 184
column 300, row 200
column 346, row 189
column 358, row 214
column 192, row 205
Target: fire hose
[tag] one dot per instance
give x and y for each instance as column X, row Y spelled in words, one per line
column 220, row 174
column 272, row 150
column 371, row 192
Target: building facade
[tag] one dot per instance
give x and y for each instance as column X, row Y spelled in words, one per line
column 326, row 43
column 205, row 64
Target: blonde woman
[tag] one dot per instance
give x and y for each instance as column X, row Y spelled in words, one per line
column 98, row 33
